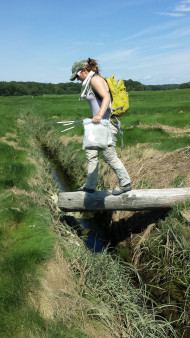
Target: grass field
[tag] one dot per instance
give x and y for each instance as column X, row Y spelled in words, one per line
column 158, row 123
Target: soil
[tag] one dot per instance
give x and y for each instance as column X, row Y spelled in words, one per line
column 167, row 129
column 13, row 142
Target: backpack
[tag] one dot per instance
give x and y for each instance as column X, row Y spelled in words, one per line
column 119, row 96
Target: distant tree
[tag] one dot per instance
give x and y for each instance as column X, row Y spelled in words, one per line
column 134, row 85
column 162, row 87
column 14, row 88
column 184, row 85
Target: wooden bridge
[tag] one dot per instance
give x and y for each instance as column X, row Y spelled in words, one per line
column 133, row 200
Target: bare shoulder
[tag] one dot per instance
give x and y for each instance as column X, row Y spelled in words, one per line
column 98, row 83
column 97, row 79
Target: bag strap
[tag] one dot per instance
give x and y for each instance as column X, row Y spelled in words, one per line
column 120, row 130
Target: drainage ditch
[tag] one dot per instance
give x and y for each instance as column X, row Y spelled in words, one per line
column 98, row 229
column 91, row 226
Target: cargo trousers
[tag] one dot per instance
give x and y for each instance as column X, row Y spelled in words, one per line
column 110, row 157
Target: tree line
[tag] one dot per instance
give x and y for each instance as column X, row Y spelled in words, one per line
column 14, row 88
column 138, row 86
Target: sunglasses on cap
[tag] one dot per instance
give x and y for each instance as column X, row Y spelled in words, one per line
column 79, row 72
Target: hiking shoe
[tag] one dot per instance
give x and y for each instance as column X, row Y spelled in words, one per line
column 122, row 190
column 86, row 189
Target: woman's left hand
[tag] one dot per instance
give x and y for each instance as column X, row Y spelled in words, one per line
column 96, row 118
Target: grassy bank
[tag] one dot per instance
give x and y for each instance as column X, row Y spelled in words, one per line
column 28, row 240
column 26, row 228
column 109, row 303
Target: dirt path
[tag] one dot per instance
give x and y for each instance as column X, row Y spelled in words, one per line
column 7, row 139
column 167, row 129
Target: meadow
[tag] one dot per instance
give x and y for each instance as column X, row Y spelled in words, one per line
column 149, row 299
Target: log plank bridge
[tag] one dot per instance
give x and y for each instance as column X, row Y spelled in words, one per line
column 141, row 199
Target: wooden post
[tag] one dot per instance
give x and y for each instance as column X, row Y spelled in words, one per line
column 133, row 200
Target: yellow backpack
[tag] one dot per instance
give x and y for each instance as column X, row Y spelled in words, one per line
column 119, row 96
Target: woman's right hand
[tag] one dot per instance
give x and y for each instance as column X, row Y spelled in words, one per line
column 96, row 118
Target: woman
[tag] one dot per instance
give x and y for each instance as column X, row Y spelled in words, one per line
column 95, row 89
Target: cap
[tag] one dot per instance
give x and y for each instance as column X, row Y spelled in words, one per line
column 76, row 66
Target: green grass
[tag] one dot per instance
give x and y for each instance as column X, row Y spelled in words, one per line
column 29, row 244
column 178, row 182
column 166, row 263
column 139, row 135
column 110, row 281
column 29, row 322
column 157, row 137
column 13, row 172
column 171, row 144
column 25, row 242
column 170, row 108
column 26, row 238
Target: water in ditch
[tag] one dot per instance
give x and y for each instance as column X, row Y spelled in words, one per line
column 92, row 225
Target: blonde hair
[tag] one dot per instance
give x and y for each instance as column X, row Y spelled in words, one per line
column 92, row 65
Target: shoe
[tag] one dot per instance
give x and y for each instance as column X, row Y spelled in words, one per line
column 122, row 190
column 86, row 189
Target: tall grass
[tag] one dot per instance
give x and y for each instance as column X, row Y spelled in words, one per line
column 165, row 107
column 26, row 237
column 15, row 168
column 139, row 135
column 26, row 220
column 110, row 281
column 165, row 267
column 157, row 137
column 26, row 233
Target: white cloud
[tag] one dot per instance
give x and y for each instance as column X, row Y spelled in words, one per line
column 81, row 43
column 151, row 31
column 116, row 56
column 182, row 32
column 179, row 10
column 159, row 68
column 170, row 14
column 163, row 67
column 147, row 77
column 168, row 46
column 184, row 6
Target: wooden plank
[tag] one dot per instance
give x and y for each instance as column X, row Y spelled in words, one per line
column 133, row 200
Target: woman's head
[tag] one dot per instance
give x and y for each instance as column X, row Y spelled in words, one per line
column 84, row 65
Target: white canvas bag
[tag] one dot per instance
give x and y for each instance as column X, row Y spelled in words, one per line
column 96, row 135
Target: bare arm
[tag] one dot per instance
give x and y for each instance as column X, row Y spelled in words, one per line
column 100, row 86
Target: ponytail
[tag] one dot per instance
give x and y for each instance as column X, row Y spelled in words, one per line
column 92, row 65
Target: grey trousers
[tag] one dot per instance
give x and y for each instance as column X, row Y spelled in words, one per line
column 110, row 157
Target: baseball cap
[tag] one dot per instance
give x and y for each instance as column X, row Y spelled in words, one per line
column 76, row 66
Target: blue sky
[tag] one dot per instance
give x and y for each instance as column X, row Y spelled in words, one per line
column 142, row 40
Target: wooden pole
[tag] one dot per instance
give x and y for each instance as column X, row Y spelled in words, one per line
column 133, row 200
